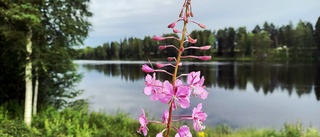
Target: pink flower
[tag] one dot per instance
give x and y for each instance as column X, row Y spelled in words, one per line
column 161, row 133
column 165, row 117
column 205, row 57
column 168, row 90
column 143, row 121
column 199, row 89
column 152, row 84
column 181, row 96
column 158, row 38
column 198, row 117
column 184, row 131
column 193, row 77
column 196, row 84
column 153, row 87
column 147, row 69
column 149, row 84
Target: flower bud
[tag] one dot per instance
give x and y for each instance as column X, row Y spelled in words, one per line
column 202, row 26
column 204, row 57
column 185, row 19
column 170, row 58
column 181, row 13
column 199, row 24
column 158, row 38
column 191, row 14
column 189, row 2
column 162, row 47
column 205, row 47
column 181, row 49
column 175, row 31
column 172, row 25
column 188, row 14
column 191, row 40
column 147, row 69
column 159, row 65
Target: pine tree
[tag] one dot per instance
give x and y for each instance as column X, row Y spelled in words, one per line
column 317, row 36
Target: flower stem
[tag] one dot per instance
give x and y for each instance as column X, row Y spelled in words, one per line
column 169, row 119
column 174, row 77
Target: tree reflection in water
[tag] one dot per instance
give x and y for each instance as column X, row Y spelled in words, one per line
column 266, row 77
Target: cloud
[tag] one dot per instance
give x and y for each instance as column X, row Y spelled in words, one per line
column 116, row 19
column 121, row 17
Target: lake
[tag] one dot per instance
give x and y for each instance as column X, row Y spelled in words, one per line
column 241, row 94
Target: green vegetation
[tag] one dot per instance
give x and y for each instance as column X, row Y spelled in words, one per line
column 73, row 121
column 77, row 121
column 299, row 42
column 37, row 41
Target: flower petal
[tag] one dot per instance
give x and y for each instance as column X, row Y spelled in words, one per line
column 184, row 131
column 165, row 117
column 183, row 96
column 147, row 90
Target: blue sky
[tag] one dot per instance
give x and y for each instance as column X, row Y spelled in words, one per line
column 116, row 19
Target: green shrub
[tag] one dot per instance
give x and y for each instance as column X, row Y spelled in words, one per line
column 312, row 132
column 293, row 130
column 15, row 128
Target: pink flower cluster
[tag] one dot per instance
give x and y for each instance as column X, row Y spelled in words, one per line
column 179, row 94
column 198, row 116
column 176, row 93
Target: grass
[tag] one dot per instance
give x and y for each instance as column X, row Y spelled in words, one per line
column 75, row 122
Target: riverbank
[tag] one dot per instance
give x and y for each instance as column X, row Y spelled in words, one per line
column 79, row 122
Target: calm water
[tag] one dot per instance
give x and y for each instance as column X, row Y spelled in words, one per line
column 242, row 94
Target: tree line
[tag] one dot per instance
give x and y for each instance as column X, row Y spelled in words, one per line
column 37, row 41
column 268, row 40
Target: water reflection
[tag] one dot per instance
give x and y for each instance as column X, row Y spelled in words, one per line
column 241, row 94
column 266, row 77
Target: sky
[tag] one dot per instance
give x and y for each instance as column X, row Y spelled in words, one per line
column 114, row 20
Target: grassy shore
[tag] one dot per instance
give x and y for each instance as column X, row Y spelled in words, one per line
column 72, row 122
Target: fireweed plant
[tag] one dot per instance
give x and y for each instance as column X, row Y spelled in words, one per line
column 176, row 94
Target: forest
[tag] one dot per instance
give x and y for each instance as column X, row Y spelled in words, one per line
column 37, row 41
column 300, row 41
